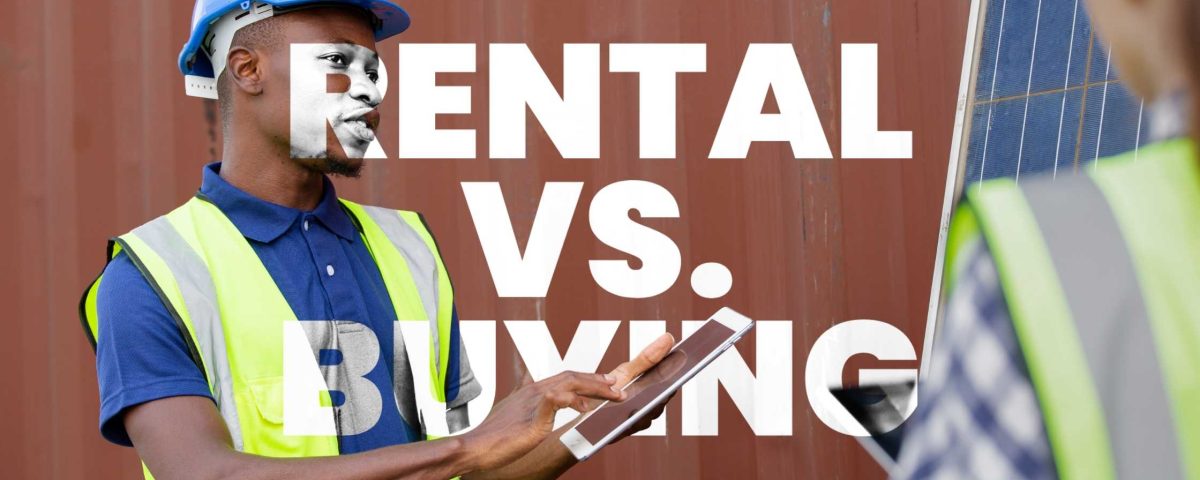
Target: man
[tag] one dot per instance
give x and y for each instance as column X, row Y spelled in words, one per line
column 1071, row 337
column 194, row 317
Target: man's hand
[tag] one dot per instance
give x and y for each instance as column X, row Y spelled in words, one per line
column 649, row 357
column 550, row 458
column 631, row 370
column 524, row 419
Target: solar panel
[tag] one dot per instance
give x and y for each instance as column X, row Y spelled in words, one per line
column 1038, row 96
column 1046, row 97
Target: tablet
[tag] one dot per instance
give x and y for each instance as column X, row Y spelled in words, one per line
column 881, row 410
column 648, row 391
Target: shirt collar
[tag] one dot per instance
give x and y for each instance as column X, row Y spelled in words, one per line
column 1170, row 115
column 263, row 221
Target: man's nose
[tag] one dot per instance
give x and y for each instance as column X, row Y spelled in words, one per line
column 364, row 90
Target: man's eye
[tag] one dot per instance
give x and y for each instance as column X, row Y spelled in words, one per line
column 336, row 58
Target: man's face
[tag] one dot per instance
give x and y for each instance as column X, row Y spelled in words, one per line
column 352, row 72
column 1117, row 22
column 1145, row 37
column 335, row 119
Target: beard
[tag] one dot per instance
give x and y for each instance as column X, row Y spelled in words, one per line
column 342, row 167
column 332, row 165
column 330, row 161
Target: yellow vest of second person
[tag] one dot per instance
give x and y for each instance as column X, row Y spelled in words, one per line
column 1101, row 274
column 231, row 314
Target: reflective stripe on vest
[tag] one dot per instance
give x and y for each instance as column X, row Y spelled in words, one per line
column 1111, row 345
column 421, row 269
column 231, row 313
column 1110, row 318
column 200, row 304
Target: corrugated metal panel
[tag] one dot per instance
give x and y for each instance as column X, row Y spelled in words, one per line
column 101, row 138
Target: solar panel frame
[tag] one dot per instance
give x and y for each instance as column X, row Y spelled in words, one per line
column 966, row 85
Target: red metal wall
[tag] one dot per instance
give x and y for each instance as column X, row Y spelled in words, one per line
column 101, row 138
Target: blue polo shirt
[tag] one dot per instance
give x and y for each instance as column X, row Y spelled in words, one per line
column 325, row 272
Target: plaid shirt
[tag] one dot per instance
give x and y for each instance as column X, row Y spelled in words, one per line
column 978, row 415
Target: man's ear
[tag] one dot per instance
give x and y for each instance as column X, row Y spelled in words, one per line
column 245, row 70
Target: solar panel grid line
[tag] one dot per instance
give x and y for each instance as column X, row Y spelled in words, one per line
column 1028, row 86
column 1062, row 110
column 1103, row 104
column 1087, row 71
column 1137, row 141
column 1040, row 93
column 992, row 95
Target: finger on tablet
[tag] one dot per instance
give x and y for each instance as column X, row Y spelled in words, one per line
column 649, row 356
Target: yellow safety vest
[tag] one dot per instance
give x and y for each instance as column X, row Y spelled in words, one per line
column 231, row 314
column 1101, row 274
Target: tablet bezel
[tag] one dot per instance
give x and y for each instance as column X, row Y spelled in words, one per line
column 581, row 448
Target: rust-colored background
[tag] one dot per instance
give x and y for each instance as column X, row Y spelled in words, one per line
column 101, row 138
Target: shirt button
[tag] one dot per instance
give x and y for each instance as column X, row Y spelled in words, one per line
column 306, row 225
column 329, row 270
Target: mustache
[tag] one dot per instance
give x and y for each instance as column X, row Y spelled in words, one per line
column 368, row 114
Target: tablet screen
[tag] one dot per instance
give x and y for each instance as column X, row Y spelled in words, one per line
column 643, row 391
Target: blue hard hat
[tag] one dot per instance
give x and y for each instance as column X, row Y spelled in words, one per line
column 392, row 20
